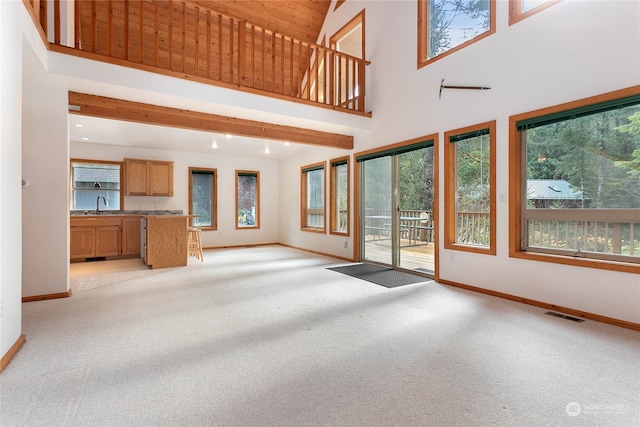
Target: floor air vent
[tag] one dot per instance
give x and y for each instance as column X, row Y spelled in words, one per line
column 564, row 316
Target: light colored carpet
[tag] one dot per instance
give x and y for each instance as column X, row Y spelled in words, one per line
column 267, row 336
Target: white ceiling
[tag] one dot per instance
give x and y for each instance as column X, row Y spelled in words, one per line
column 114, row 132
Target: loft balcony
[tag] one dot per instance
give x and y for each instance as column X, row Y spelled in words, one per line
column 187, row 40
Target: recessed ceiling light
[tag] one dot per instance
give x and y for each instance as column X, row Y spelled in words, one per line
column 78, row 125
column 228, row 136
column 266, row 150
column 287, row 143
column 214, row 144
column 85, row 139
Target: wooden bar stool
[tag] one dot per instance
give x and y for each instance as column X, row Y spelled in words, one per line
column 195, row 244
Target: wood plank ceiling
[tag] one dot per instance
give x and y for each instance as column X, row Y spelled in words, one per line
column 300, row 19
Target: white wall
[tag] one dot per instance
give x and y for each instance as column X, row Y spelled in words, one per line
column 572, row 50
column 10, row 176
column 290, row 233
column 226, row 234
column 45, row 154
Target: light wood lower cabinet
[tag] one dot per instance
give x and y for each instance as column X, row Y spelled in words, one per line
column 83, row 242
column 166, row 241
column 131, row 236
column 108, row 241
column 98, row 237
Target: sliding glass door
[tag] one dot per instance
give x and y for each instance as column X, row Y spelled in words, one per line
column 396, row 207
column 377, row 202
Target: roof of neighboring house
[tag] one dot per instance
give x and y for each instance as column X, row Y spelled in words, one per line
column 552, row 189
column 88, row 174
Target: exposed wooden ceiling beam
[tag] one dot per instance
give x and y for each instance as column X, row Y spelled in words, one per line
column 118, row 109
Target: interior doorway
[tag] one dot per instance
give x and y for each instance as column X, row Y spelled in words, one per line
column 397, row 194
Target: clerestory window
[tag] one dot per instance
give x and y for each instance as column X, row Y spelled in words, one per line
column 445, row 26
column 521, row 9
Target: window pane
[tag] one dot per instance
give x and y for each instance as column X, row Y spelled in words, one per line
column 340, row 197
column 91, row 180
column 453, row 22
column 589, row 164
column 473, row 190
column 315, row 189
column 315, row 198
column 202, row 202
column 247, row 202
column 527, row 5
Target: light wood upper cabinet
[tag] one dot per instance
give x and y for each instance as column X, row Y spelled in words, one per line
column 160, row 178
column 148, row 177
column 136, row 178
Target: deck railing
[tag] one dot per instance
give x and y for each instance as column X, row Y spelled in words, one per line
column 591, row 233
column 191, row 41
column 608, row 233
column 474, row 228
column 377, row 224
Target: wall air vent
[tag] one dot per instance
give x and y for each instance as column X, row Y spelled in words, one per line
column 564, row 316
column 73, row 107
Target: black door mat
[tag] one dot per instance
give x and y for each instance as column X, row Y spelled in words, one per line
column 383, row 276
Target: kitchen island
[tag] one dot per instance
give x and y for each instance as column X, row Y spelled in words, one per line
column 164, row 240
column 158, row 237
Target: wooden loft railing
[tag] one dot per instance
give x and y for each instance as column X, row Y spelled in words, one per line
column 185, row 40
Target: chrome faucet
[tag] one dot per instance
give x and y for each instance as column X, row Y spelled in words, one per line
column 98, row 203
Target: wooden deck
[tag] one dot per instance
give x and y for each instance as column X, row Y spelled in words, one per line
column 418, row 257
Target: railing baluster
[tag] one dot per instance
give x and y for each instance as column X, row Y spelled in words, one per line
column 184, row 37
column 282, row 91
column 617, row 238
column 94, row 28
column 208, row 51
column 264, row 57
column 125, row 22
column 140, row 28
column 242, row 33
column 253, row 55
column 77, row 26
column 170, row 32
column 196, row 12
column 56, row 21
column 220, row 47
column 291, row 61
column 157, row 33
column 354, row 85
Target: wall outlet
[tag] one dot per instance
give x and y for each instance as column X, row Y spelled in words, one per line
column 452, row 256
column 346, row 244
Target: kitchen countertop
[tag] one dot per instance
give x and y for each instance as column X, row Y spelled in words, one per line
column 125, row 212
